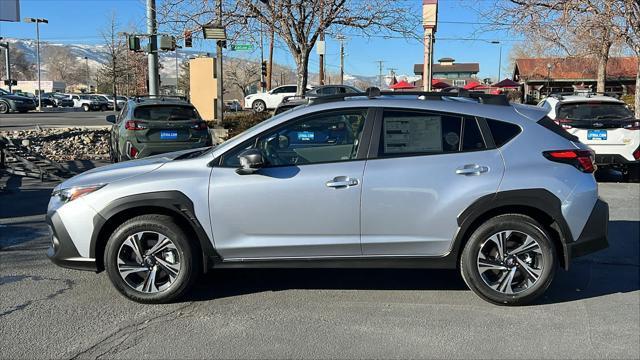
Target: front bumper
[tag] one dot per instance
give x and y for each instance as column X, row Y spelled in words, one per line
column 594, row 234
column 62, row 251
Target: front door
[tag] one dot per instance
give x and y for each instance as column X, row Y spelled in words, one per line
column 305, row 202
column 428, row 168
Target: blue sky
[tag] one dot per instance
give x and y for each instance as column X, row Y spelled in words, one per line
column 80, row 21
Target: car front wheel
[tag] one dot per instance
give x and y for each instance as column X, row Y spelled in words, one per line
column 509, row 260
column 85, row 107
column 149, row 259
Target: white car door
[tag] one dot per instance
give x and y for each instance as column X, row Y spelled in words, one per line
column 278, row 94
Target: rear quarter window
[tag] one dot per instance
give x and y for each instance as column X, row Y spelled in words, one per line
column 502, row 132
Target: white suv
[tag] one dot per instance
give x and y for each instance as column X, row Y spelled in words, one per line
column 604, row 123
column 263, row 101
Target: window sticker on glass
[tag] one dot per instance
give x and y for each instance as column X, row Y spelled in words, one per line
column 306, row 135
column 412, row 134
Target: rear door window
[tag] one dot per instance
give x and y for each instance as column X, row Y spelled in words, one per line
column 406, row 133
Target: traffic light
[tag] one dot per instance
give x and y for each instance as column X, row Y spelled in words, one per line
column 134, row 42
column 264, row 68
column 167, row 43
column 188, row 40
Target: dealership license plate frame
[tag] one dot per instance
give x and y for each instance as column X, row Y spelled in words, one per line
column 598, row 134
column 168, row 134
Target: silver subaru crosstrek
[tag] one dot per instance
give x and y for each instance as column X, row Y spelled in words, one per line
column 369, row 180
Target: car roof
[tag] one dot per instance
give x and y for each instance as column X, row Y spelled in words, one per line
column 584, row 98
column 158, row 101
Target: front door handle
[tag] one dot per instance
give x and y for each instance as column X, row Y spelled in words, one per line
column 340, row 182
column 472, row 169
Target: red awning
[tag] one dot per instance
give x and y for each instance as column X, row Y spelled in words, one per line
column 506, row 83
column 438, row 84
column 402, row 85
column 472, row 85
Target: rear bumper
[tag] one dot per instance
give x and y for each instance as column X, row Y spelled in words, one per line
column 62, row 251
column 23, row 107
column 148, row 149
column 613, row 159
column 594, row 234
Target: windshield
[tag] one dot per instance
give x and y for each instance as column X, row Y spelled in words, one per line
column 166, row 112
column 594, row 111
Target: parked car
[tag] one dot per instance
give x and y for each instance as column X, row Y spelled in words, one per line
column 122, row 100
column 494, row 189
column 11, row 102
column 602, row 122
column 105, row 102
column 88, row 102
column 232, row 105
column 289, row 102
column 156, row 126
column 266, row 101
column 58, row 99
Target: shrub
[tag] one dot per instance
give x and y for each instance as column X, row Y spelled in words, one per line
column 238, row 122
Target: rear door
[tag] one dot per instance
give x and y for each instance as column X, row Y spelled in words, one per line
column 426, row 168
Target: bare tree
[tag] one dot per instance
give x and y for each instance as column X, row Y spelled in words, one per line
column 111, row 72
column 241, row 74
column 298, row 23
column 21, row 67
column 62, row 65
column 184, row 80
column 630, row 32
column 582, row 28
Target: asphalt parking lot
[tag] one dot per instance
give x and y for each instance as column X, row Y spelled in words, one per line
column 592, row 311
column 53, row 118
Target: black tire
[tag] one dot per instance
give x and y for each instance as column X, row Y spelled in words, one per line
column 520, row 224
column 103, row 108
column 631, row 173
column 259, row 106
column 187, row 254
column 86, row 108
column 4, row 107
column 113, row 156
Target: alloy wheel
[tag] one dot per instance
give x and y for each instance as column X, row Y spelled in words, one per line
column 510, row 261
column 259, row 106
column 148, row 262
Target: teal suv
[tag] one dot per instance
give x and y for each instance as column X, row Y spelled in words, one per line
column 150, row 126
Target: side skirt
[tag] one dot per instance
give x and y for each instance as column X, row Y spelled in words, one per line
column 347, row 262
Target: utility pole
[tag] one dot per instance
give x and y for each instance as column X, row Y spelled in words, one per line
column 7, row 62
column 219, row 80
column 321, row 59
column 341, row 38
column 381, row 64
column 152, row 57
column 262, row 79
column 270, row 64
column 177, row 70
column 38, row 21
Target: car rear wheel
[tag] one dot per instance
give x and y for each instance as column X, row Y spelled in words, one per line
column 85, row 107
column 149, row 259
column 509, row 260
column 259, row 106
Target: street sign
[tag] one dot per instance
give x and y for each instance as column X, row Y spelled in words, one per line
column 241, row 47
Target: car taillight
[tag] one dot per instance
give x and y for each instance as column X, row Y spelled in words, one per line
column 131, row 150
column 135, row 125
column 564, row 123
column 633, row 126
column 582, row 160
column 636, row 154
column 201, row 125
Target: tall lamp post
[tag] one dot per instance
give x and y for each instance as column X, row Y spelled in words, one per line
column 499, row 60
column 548, row 78
column 38, row 21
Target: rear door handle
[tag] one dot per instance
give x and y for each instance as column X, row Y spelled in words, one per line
column 340, row 182
column 472, row 169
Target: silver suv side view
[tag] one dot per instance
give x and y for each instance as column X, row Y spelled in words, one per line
column 368, row 180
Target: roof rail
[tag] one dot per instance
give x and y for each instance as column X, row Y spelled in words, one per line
column 141, row 98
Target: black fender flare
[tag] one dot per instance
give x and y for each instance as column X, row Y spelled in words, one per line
column 174, row 202
column 541, row 200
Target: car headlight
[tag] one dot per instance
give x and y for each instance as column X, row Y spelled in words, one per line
column 72, row 193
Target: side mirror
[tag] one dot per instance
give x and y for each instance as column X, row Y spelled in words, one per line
column 250, row 161
column 111, row 119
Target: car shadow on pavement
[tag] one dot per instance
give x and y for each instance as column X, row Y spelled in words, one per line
column 610, row 271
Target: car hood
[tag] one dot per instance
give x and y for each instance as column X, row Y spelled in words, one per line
column 119, row 171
